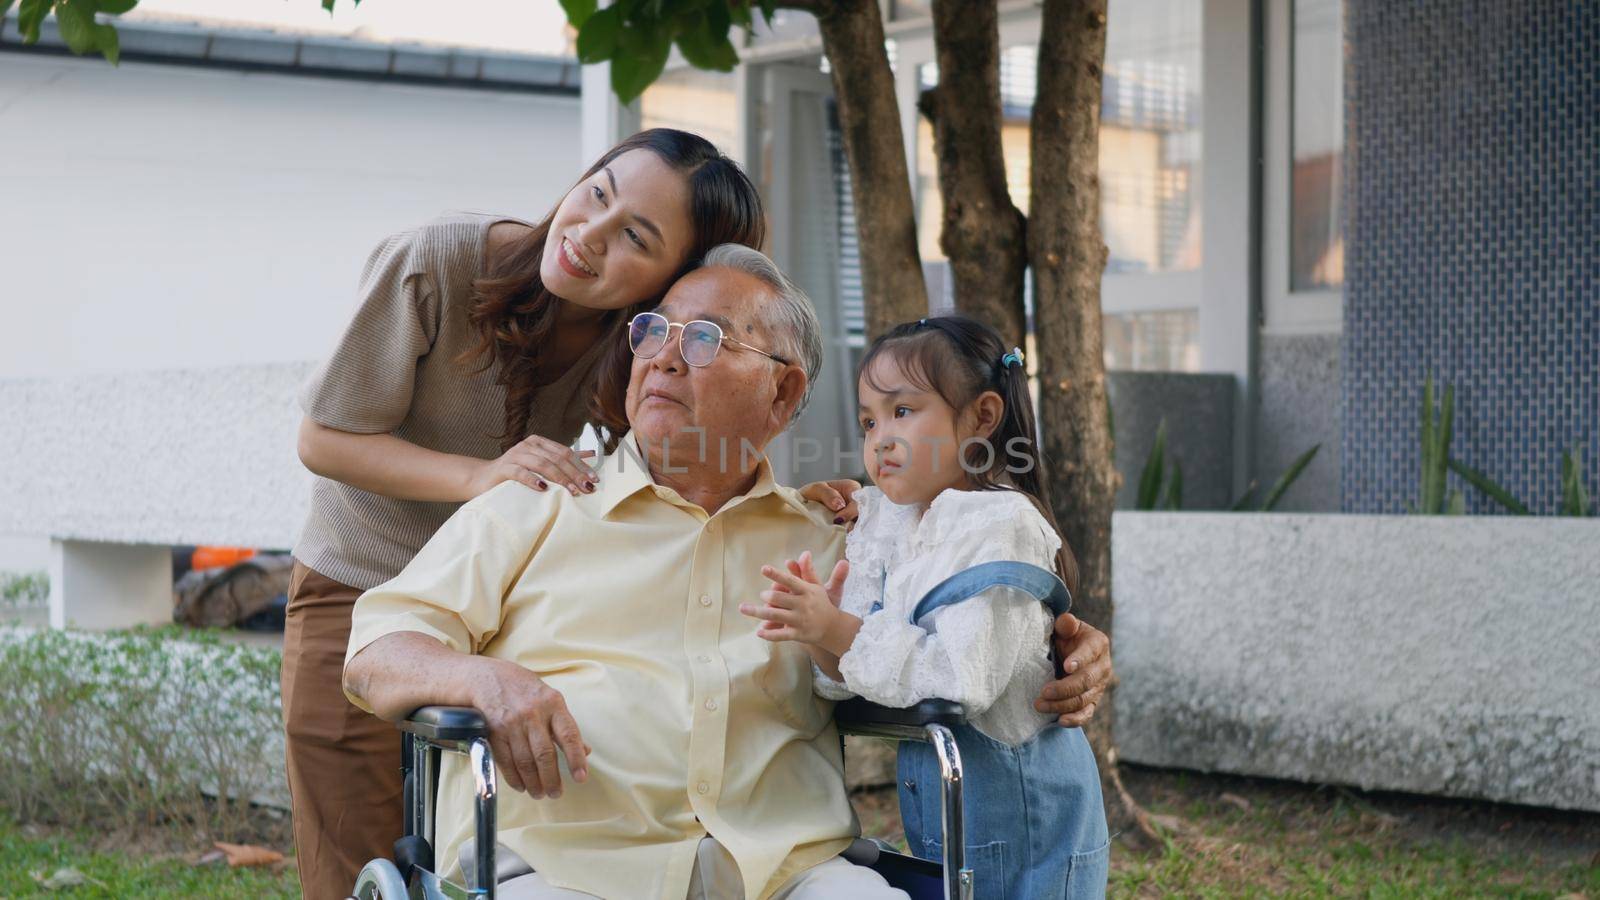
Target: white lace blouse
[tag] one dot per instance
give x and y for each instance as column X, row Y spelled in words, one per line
column 990, row 653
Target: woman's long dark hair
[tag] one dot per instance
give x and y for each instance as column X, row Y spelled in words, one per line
column 515, row 315
column 959, row 358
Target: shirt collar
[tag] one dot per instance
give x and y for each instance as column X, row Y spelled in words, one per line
column 626, row 472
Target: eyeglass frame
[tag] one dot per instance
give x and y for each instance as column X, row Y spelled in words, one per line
column 722, row 336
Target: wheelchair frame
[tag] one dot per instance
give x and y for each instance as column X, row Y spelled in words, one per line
column 431, row 730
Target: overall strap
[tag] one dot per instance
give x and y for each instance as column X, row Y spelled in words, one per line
column 1042, row 584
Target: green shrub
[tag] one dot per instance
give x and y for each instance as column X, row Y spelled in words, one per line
column 24, row 589
column 139, row 728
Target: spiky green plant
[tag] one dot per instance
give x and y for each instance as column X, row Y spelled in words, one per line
column 1160, row 486
column 1491, row 490
column 1437, row 429
column 1574, row 496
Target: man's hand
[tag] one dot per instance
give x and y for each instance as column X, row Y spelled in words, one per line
column 800, row 608
column 1085, row 652
column 837, row 495
column 528, row 722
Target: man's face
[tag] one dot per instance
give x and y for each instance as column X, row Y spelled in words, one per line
column 740, row 396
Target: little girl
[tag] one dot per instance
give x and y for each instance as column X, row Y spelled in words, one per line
column 949, row 442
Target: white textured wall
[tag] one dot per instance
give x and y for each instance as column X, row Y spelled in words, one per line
column 178, row 457
column 178, row 243
column 160, row 217
column 1435, row 655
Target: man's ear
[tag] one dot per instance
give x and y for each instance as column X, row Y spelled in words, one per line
column 791, row 390
column 987, row 411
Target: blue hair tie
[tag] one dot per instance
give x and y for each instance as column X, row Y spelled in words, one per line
column 1014, row 358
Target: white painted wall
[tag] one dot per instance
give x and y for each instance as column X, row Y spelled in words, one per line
column 161, row 217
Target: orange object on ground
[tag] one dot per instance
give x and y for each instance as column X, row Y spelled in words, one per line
column 215, row 557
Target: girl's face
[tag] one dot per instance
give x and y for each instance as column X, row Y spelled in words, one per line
column 911, row 437
column 620, row 235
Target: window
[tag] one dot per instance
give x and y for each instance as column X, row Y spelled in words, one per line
column 1150, row 137
column 1150, row 158
column 1316, row 232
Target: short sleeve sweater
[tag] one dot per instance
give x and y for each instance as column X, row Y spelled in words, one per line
column 397, row 370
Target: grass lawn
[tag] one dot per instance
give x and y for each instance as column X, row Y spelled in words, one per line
column 29, row 851
column 1225, row 837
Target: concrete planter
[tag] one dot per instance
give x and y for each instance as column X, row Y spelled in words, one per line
column 1436, row 655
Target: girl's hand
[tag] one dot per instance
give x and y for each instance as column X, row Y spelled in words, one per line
column 798, row 608
column 538, row 462
column 837, row 495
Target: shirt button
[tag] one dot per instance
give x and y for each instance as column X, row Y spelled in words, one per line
column 711, row 705
column 703, row 788
column 705, row 599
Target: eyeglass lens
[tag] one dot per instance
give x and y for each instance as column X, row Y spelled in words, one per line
column 649, row 332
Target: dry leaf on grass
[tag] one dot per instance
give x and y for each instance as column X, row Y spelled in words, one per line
column 1235, row 800
column 248, row 854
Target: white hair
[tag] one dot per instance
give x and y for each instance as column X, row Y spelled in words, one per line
column 790, row 318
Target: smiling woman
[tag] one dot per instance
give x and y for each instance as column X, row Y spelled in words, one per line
column 481, row 347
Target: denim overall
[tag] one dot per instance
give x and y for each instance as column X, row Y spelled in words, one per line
column 1035, row 821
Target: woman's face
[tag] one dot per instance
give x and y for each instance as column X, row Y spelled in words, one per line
column 620, row 235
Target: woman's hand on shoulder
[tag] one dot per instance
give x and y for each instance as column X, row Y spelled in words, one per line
column 539, row 462
column 837, row 495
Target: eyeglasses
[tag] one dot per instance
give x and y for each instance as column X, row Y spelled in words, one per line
column 699, row 340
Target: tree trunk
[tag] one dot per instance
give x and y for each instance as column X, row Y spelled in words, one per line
column 869, row 120
column 983, row 233
column 1068, row 257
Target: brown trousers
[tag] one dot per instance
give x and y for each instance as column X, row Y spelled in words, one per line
column 343, row 764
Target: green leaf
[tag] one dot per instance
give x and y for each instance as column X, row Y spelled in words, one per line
column 578, row 11
column 1494, row 491
column 705, row 50
column 30, row 15
column 1243, row 503
column 1154, row 465
column 599, row 38
column 739, row 12
column 1574, row 498
column 116, row 7
column 76, row 20
column 108, row 42
column 1457, row 505
column 769, row 8
column 632, row 73
column 1175, row 487
column 5, row 7
column 1282, row 484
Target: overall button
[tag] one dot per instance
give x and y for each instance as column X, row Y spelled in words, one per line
column 705, row 599
column 703, row 788
column 711, row 705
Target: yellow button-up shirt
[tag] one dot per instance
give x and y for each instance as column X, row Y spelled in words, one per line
column 627, row 602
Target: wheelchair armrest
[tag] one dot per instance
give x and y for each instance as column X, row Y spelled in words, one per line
column 445, row 723
column 857, row 716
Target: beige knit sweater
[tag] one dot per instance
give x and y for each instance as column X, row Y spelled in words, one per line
column 395, row 371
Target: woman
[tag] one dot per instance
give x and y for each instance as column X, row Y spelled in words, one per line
column 480, row 348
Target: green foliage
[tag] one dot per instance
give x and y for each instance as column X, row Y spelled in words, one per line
column 1159, row 486
column 1437, row 430
column 1574, row 496
column 138, row 728
column 1493, row 491
column 24, row 589
column 637, row 36
column 1288, row 478
column 80, row 30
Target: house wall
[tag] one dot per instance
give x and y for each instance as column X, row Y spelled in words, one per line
column 179, row 244
column 1474, row 242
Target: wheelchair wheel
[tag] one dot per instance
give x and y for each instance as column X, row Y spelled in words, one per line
column 380, row 880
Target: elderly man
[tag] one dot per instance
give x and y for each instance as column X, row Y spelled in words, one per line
column 662, row 749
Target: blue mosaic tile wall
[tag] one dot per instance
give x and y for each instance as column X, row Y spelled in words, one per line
column 1473, row 242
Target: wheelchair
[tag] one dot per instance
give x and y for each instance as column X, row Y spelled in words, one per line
column 433, row 730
